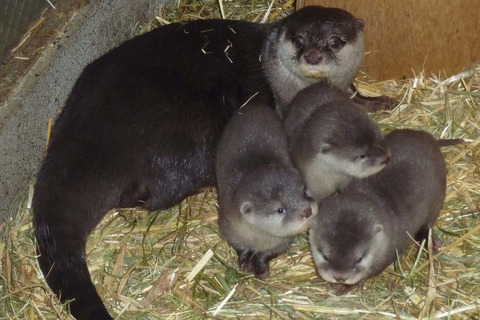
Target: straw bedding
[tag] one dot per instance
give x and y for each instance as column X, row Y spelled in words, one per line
column 173, row 264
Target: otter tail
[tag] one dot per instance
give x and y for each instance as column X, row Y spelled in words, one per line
column 61, row 228
column 62, row 261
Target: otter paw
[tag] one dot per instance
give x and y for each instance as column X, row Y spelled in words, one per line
column 261, row 269
column 247, row 266
column 373, row 104
column 262, row 274
column 436, row 243
column 341, row 289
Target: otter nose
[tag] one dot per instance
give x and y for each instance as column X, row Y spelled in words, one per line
column 313, row 56
column 307, row 213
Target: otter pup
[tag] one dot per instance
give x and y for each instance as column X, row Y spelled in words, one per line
column 142, row 123
column 356, row 233
column 261, row 197
column 332, row 140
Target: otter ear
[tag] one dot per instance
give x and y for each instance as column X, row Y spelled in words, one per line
column 359, row 24
column 246, row 207
column 377, row 228
column 325, row 148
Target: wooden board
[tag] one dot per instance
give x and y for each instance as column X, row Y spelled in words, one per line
column 401, row 36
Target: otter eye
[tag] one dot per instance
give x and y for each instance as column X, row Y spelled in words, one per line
column 298, row 42
column 361, row 157
column 335, row 43
column 325, row 257
column 360, row 259
column 280, row 210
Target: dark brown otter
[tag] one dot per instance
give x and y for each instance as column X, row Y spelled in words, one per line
column 142, row 124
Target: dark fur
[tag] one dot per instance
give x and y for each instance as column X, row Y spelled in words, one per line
column 449, row 142
column 372, row 104
column 256, row 180
column 141, row 125
column 358, row 231
column 332, row 140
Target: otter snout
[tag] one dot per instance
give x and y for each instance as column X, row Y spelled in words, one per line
column 313, row 57
column 340, row 278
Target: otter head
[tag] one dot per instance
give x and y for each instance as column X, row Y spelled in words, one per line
column 273, row 199
column 346, row 238
column 347, row 141
column 322, row 43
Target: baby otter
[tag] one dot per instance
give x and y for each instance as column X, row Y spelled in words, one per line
column 262, row 201
column 356, row 233
column 332, row 140
column 142, row 123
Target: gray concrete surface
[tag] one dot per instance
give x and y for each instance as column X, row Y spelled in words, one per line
column 96, row 28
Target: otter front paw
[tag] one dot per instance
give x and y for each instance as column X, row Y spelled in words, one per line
column 261, row 272
column 261, row 268
column 373, row 104
column 244, row 260
column 436, row 243
column 341, row 289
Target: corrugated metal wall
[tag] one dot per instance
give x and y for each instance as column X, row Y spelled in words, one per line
column 16, row 16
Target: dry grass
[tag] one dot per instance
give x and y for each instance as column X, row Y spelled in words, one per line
column 142, row 262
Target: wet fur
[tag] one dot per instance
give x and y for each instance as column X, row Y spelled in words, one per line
column 255, row 178
column 356, row 233
column 332, row 140
column 141, row 127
